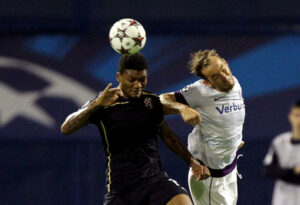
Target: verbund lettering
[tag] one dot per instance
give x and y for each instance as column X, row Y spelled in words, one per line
column 230, row 108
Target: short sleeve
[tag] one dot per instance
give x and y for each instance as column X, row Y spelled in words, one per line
column 189, row 95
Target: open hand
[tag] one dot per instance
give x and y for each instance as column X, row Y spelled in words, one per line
column 108, row 97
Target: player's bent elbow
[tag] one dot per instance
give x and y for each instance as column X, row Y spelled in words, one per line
column 65, row 130
column 166, row 97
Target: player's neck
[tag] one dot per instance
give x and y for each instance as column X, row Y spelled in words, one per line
column 123, row 95
column 221, row 91
column 296, row 134
column 127, row 97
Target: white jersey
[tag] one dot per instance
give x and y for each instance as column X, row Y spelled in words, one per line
column 286, row 154
column 216, row 139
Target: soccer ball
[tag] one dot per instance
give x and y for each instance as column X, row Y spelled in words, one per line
column 127, row 36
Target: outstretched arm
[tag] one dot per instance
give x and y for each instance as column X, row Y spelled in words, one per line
column 174, row 143
column 79, row 119
column 171, row 106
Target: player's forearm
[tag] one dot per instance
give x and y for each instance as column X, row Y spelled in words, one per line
column 170, row 105
column 174, row 143
column 285, row 174
column 274, row 171
column 77, row 120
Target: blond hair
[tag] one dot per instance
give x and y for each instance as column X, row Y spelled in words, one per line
column 199, row 60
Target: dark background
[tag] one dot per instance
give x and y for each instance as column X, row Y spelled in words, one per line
column 55, row 55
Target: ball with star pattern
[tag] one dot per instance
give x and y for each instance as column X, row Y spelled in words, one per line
column 127, row 36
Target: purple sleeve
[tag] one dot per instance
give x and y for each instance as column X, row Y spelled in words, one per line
column 179, row 98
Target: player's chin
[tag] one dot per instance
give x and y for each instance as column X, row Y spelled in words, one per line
column 227, row 88
column 135, row 94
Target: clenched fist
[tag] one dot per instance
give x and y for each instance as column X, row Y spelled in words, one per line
column 190, row 116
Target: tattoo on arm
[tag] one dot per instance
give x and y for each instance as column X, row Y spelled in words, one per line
column 76, row 120
column 174, row 143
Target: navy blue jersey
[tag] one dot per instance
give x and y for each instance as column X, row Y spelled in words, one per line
column 129, row 131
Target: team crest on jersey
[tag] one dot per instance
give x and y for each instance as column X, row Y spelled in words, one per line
column 148, row 103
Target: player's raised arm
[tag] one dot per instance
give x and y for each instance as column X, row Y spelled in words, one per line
column 171, row 106
column 174, row 143
column 80, row 118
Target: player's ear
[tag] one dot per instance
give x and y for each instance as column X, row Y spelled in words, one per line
column 118, row 77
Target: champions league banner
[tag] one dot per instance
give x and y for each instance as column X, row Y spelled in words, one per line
column 43, row 78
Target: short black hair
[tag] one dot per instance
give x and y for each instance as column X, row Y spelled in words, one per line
column 132, row 62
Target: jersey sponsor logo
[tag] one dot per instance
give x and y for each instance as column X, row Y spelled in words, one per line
column 148, row 103
column 230, row 108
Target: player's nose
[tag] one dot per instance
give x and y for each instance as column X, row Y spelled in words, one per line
column 138, row 84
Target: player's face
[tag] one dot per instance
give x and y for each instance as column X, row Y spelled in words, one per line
column 132, row 82
column 294, row 118
column 218, row 74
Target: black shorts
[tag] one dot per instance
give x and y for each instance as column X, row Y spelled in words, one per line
column 159, row 190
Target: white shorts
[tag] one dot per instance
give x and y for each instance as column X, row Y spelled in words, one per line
column 214, row 191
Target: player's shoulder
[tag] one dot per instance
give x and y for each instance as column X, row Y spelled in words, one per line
column 282, row 138
column 197, row 85
column 148, row 93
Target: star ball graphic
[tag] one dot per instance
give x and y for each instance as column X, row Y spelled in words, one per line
column 15, row 103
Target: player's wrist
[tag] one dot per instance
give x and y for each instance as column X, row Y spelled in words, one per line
column 193, row 161
column 94, row 105
column 183, row 108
